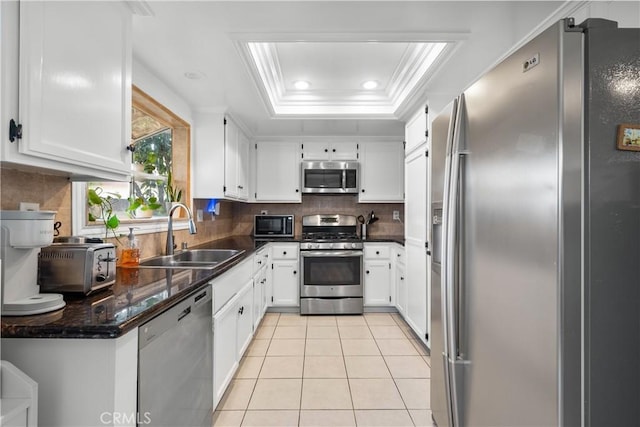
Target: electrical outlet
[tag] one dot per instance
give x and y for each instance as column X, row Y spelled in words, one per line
column 264, row 212
column 199, row 215
column 25, row 206
column 396, row 215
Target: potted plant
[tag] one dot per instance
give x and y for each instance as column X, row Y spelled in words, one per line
column 143, row 207
column 100, row 205
column 174, row 194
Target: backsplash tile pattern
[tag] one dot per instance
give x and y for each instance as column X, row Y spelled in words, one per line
column 323, row 204
column 53, row 192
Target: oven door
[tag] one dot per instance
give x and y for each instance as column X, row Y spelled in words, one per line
column 331, row 274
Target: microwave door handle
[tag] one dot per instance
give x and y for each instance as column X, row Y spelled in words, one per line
column 344, row 179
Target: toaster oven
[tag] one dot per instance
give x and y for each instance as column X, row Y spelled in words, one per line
column 76, row 267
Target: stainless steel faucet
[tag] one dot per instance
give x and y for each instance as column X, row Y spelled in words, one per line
column 192, row 226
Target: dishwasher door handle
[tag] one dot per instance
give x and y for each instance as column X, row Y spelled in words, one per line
column 184, row 313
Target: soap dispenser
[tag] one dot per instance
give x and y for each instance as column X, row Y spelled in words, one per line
column 131, row 253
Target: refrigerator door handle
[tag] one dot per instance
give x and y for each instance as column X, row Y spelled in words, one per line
column 446, row 263
column 451, row 265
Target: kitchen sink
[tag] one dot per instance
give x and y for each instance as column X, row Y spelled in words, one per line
column 194, row 258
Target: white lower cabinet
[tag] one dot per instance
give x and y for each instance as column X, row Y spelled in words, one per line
column 285, row 275
column 377, row 274
column 244, row 310
column 232, row 323
column 225, row 360
column 401, row 282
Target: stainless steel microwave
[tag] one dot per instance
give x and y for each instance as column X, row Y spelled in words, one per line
column 330, row 177
column 273, row 225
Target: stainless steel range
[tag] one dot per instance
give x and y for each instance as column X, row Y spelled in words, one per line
column 331, row 265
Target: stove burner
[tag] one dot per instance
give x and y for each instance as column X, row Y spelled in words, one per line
column 329, row 236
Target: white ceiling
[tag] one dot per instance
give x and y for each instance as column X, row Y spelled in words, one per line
column 335, row 45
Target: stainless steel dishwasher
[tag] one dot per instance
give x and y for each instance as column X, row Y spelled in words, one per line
column 175, row 367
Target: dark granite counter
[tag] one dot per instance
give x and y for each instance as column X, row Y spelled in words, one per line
column 385, row 239
column 138, row 295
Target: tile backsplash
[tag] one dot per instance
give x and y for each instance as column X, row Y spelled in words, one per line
column 53, row 192
column 323, row 204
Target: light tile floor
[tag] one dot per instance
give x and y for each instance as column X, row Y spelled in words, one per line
column 364, row 370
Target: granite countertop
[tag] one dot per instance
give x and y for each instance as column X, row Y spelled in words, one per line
column 138, row 295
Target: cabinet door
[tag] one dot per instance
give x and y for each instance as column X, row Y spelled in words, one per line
column 343, row 151
column 258, row 298
column 242, row 179
column 415, row 131
column 225, row 361
column 315, row 150
column 245, row 318
column 231, row 134
column 285, row 283
column 277, row 172
column 381, row 172
column 377, row 281
column 75, row 85
column 401, row 289
column 415, row 212
column 417, row 288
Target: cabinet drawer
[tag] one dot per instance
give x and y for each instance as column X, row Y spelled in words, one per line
column 377, row 252
column 285, row 251
column 230, row 283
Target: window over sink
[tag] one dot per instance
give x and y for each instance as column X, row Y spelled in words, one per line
column 160, row 147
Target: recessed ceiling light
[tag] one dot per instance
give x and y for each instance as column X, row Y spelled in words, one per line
column 302, row 85
column 370, row 84
column 194, row 75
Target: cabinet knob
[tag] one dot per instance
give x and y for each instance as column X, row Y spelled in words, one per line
column 131, row 147
column 284, row 252
column 297, row 191
column 259, row 262
column 401, row 278
column 326, row 150
column 363, row 190
column 295, row 272
column 240, row 187
column 377, row 252
column 367, row 271
column 241, row 310
column 334, row 150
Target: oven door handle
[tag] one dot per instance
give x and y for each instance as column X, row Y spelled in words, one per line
column 331, row 253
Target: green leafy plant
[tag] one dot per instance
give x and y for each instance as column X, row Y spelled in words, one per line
column 142, row 203
column 102, row 201
column 174, row 194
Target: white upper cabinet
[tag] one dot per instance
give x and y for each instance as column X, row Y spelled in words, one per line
column 277, row 172
column 314, row 150
column 381, row 171
column 220, row 159
column 74, row 80
column 416, row 130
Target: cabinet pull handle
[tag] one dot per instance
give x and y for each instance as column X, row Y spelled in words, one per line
column 240, row 187
column 241, row 310
column 15, row 130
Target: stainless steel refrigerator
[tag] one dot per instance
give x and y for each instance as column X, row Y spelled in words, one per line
column 536, row 225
